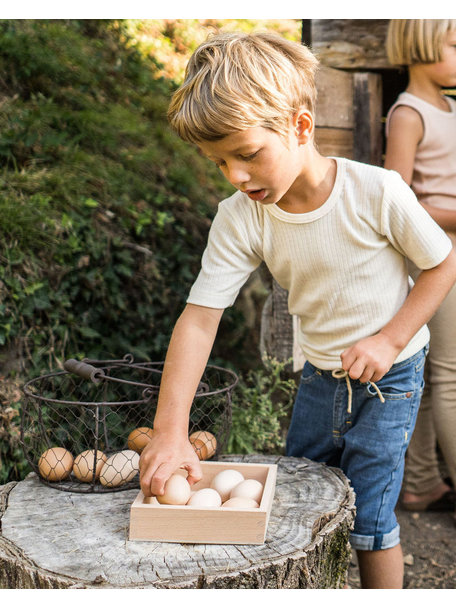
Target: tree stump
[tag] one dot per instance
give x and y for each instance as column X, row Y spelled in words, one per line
column 55, row 539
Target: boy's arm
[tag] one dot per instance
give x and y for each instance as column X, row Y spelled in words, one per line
column 371, row 358
column 186, row 359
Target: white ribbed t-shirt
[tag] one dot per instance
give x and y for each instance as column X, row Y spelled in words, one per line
column 343, row 264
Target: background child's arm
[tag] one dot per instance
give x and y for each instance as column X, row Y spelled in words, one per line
column 371, row 358
column 186, row 359
column 404, row 134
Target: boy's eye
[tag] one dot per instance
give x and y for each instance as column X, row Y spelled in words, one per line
column 248, row 157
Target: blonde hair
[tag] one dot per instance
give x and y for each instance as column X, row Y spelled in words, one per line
column 411, row 41
column 235, row 81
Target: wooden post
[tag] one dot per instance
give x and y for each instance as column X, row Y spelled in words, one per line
column 306, row 32
column 367, row 101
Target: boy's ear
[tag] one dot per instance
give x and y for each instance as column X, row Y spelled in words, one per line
column 303, row 125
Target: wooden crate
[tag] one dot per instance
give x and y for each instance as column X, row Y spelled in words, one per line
column 214, row 525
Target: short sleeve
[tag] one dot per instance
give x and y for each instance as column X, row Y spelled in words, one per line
column 231, row 255
column 409, row 227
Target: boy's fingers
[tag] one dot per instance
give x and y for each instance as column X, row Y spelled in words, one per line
column 194, row 472
column 154, row 479
column 145, row 477
column 367, row 374
column 347, row 358
column 161, row 475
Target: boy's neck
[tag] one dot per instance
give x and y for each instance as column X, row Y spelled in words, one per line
column 313, row 187
column 423, row 87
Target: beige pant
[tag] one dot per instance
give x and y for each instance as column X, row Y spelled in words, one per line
column 436, row 422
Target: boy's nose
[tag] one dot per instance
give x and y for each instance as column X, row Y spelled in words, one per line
column 237, row 175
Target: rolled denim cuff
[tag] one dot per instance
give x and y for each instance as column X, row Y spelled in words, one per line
column 376, row 543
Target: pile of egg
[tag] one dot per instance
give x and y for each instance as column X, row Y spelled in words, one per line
column 228, row 488
column 58, row 463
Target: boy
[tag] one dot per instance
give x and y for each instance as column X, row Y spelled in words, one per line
column 336, row 235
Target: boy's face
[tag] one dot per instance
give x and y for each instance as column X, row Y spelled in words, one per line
column 257, row 161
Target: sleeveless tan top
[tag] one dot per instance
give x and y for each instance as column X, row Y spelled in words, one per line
column 434, row 173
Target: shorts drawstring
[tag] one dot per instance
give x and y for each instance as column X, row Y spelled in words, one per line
column 341, row 373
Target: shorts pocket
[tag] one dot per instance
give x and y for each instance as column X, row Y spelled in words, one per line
column 309, row 373
column 401, row 387
column 402, row 381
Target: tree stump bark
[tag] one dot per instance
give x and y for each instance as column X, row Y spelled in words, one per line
column 55, row 539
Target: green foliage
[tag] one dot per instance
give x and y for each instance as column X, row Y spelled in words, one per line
column 104, row 211
column 262, row 402
column 172, row 41
column 12, row 460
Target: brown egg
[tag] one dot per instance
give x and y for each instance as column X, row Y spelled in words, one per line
column 119, row 468
column 204, row 444
column 139, row 438
column 83, row 465
column 55, row 464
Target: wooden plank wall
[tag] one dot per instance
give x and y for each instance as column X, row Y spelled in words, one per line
column 349, row 110
column 335, row 116
column 349, row 115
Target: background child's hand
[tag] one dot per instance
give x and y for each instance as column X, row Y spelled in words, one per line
column 369, row 359
column 162, row 456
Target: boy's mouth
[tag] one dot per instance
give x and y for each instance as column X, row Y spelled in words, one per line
column 256, row 195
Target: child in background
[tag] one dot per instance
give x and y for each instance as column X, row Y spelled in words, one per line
column 421, row 146
column 334, row 233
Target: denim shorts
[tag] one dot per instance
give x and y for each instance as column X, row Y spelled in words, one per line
column 368, row 443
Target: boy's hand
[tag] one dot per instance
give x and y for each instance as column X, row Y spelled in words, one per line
column 162, row 456
column 369, row 359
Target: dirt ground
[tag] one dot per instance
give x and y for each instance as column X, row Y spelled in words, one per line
column 429, row 547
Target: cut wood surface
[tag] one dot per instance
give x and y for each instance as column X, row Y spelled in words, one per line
column 55, row 539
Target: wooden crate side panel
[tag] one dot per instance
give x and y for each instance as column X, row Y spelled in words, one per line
column 197, row 525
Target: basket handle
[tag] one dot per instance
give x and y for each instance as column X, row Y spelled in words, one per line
column 84, row 370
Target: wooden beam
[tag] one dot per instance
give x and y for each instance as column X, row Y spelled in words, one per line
column 351, row 43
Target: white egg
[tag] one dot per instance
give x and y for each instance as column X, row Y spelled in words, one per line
column 249, row 488
column 241, row 502
column 225, row 481
column 177, row 491
column 207, row 497
column 119, row 468
column 151, row 500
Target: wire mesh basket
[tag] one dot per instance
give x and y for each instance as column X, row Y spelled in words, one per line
column 83, row 429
